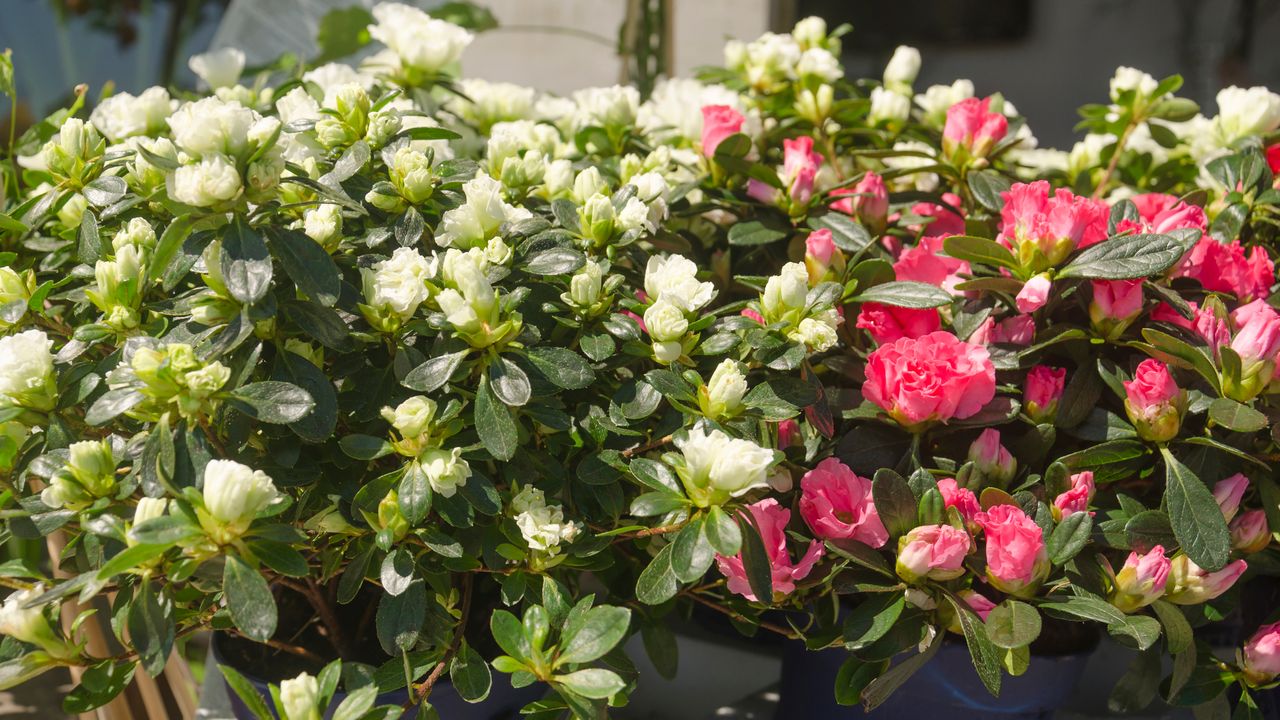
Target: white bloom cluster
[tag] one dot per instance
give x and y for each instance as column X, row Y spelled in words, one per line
column 477, row 220
column 234, row 494
column 399, row 283
column 26, row 371
column 717, row 467
column 124, row 116
column 543, row 526
column 416, row 42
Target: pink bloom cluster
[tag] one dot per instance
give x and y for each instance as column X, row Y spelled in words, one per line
column 932, row 378
column 771, row 519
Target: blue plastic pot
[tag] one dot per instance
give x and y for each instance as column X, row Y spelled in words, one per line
column 947, row 687
column 504, row 702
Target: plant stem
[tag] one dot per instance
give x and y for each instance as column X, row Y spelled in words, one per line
column 419, row 694
column 760, row 623
column 321, row 604
column 646, row 448
column 1115, row 160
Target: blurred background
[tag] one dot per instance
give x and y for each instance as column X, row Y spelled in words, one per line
column 1047, row 56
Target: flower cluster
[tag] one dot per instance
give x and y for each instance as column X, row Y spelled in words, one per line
column 769, row 339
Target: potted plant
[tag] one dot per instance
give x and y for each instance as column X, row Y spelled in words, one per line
column 395, row 379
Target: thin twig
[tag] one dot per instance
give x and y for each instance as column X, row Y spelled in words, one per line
column 737, row 616
column 420, row 693
column 1115, row 160
column 646, row 448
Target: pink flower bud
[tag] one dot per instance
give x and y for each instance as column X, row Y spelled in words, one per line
column 718, row 123
column 962, row 499
column 933, row 551
column 749, row 313
column 1229, row 492
column 1141, row 581
column 788, row 434
column 1213, row 329
column 1260, row 658
column 1034, row 293
column 772, row 519
column 763, row 192
column 1016, row 557
column 1249, row 532
column 1256, row 342
column 868, row 201
column 1017, row 330
column 1115, row 304
column 992, row 460
column 1190, row 584
column 799, row 167
column 1043, row 391
column 972, row 128
column 821, row 257
column 979, row 603
column 1076, row 499
column 1155, row 403
column 887, row 323
column 836, row 503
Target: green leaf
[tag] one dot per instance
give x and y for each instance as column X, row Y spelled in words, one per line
column 854, row 676
column 1177, row 631
column 781, row 397
column 894, row 501
column 130, row 558
column 722, row 532
column 163, row 531
column 111, row 404
column 1196, row 518
column 985, row 656
column 279, row 557
column 848, row 234
column 307, row 264
column 1138, row 686
column 509, row 634
column 1069, row 537
column 98, row 685
column 470, row 674
column 151, row 628
column 365, row 447
column 105, row 190
column 247, row 693
column 434, row 373
column 870, row 620
column 562, row 366
column 755, row 560
column 90, row 247
column 414, row 494
column 594, row 683
column 1148, row 529
column 981, row 251
column 693, row 553
column 249, row 599
column 554, row 261
column 986, row 187
column 590, row 635
column 509, row 382
column 657, row 583
column 342, row 31
column 245, row 263
column 1013, row 624
column 356, row 703
column 400, row 618
column 494, row 423
column 879, row 690
column 1236, row 416
column 907, row 294
column 1130, row 256
column 655, row 475
column 272, row 401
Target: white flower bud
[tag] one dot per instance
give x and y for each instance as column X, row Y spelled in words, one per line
column 324, row 225
column 218, row 68
column 588, row 184
column 208, row 182
column 818, row 333
column 810, row 32
column 234, row 494
column 888, row 106
column 72, row 211
column 902, row 69
column 665, row 321
column 674, row 278
column 212, row 126
column 411, row 174
column 819, row 63
column 411, row 418
column 597, row 217
column 299, row 697
column 785, row 292
column 722, row 395
column 585, row 285
column 26, row 371
column 149, row 509
column 718, row 467
column 137, row 233
column 1132, row 79
column 29, row 625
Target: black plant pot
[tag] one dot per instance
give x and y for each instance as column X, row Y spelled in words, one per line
column 504, row 702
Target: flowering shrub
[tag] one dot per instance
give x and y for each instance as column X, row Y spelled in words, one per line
column 517, row 371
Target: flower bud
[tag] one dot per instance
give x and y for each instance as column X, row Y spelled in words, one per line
column 234, row 495
column 597, row 216
column 90, row 473
column 411, row 418
column 1115, row 304
column 717, row 467
column 1076, row 498
column 299, row 697
column 718, row 123
column 868, row 201
column 1260, row 657
column 26, row 371
column 972, row 129
column 412, row 176
column 72, row 211
column 721, row 397
column 1228, row 492
column 992, row 460
column 786, row 292
column 821, row 257
column 789, row 434
column 1257, row 343
column 902, row 69
column 15, row 293
column 137, row 233
column 817, row 333
column 963, row 500
column 1141, row 581
column 1017, row 560
column 324, row 225
column 149, row 509
column 815, row 105
column 585, row 286
column 935, row 552
column 445, row 470
column 1155, row 404
column 800, row 166
column 587, row 184
column 29, row 624
column 665, row 322
column 1192, row 585
column 218, row 68
column 391, row 521
column 888, row 106
column 1249, row 532
column 1042, row 392
column 383, row 126
column 1034, row 293
column 208, row 182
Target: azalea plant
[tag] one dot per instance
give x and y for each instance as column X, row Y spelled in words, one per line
column 475, row 379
